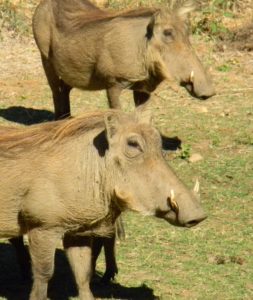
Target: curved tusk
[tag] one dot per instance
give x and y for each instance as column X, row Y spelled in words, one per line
column 172, row 195
column 192, row 77
column 172, row 202
column 196, row 187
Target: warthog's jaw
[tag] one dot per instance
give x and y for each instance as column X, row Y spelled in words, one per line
column 126, row 200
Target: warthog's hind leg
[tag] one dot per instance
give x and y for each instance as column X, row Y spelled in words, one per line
column 110, row 258
column 80, row 258
column 42, row 245
column 60, row 91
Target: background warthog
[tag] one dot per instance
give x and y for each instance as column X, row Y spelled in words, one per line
column 101, row 3
column 73, row 178
column 85, row 47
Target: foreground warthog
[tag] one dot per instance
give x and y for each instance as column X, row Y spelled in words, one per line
column 85, row 47
column 74, row 177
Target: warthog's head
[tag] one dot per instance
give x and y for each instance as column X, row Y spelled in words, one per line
column 172, row 53
column 142, row 180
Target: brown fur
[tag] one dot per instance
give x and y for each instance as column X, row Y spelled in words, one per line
column 71, row 179
column 85, row 47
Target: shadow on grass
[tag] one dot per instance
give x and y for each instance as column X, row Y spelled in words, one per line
column 62, row 285
column 26, row 116
column 171, row 144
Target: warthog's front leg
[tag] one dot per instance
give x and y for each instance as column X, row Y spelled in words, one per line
column 79, row 253
column 42, row 245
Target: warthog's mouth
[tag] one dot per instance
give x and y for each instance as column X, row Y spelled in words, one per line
column 170, row 216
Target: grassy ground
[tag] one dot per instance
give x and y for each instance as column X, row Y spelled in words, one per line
column 211, row 261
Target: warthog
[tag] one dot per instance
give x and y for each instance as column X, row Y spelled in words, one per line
column 73, row 178
column 101, row 3
column 85, row 47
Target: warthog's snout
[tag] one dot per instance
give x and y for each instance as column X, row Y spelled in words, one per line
column 185, row 219
column 184, row 209
column 194, row 220
column 200, row 87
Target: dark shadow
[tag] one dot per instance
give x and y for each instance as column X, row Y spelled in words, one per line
column 117, row 291
column 12, row 286
column 169, row 143
column 26, row 116
column 62, row 285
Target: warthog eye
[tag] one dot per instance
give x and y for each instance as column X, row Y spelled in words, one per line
column 168, row 32
column 133, row 146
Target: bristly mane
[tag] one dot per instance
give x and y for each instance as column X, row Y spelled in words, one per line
column 74, row 14
column 17, row 140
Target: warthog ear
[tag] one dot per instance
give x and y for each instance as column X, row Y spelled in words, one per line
column 150, row 28
column 183, row 9
column 153, row 20
column 111, row 124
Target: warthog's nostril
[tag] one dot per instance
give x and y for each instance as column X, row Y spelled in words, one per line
column 204, row 97
column 194, row 222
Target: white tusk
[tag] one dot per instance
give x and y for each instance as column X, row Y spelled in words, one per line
column 173, row 204
column 172, row 195
column 192, row 76
column 196, row 187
